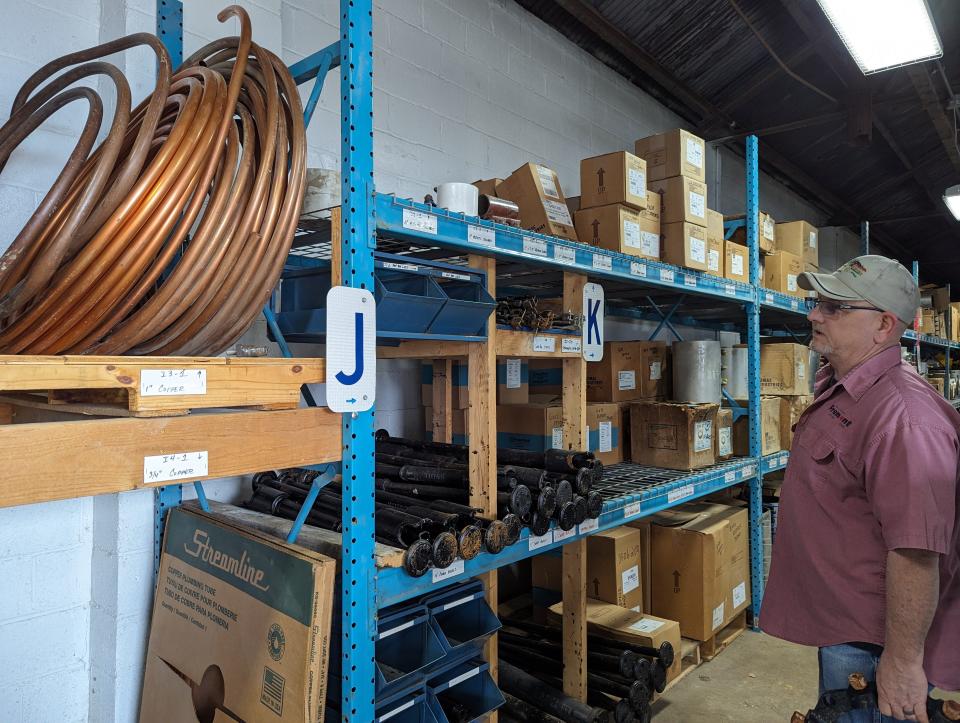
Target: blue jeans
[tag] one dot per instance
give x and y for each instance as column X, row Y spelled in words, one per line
column 837, row 662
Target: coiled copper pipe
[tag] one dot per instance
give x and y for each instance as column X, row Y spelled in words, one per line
column 170, row 236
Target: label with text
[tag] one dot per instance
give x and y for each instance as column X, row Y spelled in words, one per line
column 630, row 579
column 544, row 343
column 631, row 510
column 740, row 594
column 589, row 525
column 535, row 542
column 730, row 290
column 718, row 615
column 534, row 246
column 680, row 493
column 603, row 263
column 171, row 467
column 626, row 379
column 561, row 535
column 666, row 275
column 690, row 281
column 730, row 476
column 570, row 346
column 647, row 625
column 401, row 267
column 564, row 255
column 456, row 568
column 514, row 367
column 482, row 236
column 172, row 382
column 556, row 438
column 462, row 677
column 419, row 221
column 638, row 269
column 606, row 436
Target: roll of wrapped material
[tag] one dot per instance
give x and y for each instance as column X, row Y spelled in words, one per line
column 696, row 372
column 734, row 364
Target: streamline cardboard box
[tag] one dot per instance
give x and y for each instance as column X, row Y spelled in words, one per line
column 736, row 262
column 629, row 370
column 672, row 435
column 769, row 429
column 513, row 381
column 613, row 568
column 536, row 189
column 724, row 437
column 459, row 423
column 800, row 239
column 617, row 228
column 241, row 623
column 701, row 566
column 781, row 272
column 685, row 244
column 682, row 199
column 674, row 153
column 646, row 564
column 766, row 232
column 715, row 250
column 630, row 627
column 546, row 377
column 785, row 369
column 603, row 431
column 535, row 426
column 619, row 177
column 790, row 410
column 651, row 211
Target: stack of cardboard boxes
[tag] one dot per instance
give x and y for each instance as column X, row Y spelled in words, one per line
column 536, row 190
column 797, row 251
column 786, row 376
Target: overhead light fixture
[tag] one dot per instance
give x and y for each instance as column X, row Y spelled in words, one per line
column 951, row 197
column 884, row 34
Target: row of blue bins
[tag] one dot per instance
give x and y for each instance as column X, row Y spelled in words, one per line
column 415, row 299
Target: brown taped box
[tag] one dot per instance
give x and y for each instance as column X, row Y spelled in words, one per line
column 536, row 190
column 643, row 525
column 769, row 429
column 715, row 260
column 513, row 385
column 617, row 228
column 613, row 568
column 685, row 244
column 736, row 262
column 628, row 626
column 701, row 566
column 790, row 410
column 619, row 177
column 723, row 439
column 681, row 200
column 535, row 426
column 545, row 377
column 651, row 212
column 799, row 238
column 489, row 186
column 781, row 271
column 625, row 430
column 604, row 437
column 784, row 369
column 242, row 616
column 766, row 232
column 672, row 435
column 674, row 153
column 629, row 370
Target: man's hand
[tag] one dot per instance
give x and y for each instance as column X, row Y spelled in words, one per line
column 902, row 688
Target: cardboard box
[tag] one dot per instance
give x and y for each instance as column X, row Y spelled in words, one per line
column 617, row 228
column 536, row 426
column 536, row 189
column 955, row 321
column 785, row 369
column 619, row 177
column 927, row 321
column 672, row 435
column 799, row 238
column 489, row 186
column 460, row 385
column 766, row 232
column 603, row 431
column 651, row 212
column 513, row 381
column 701, row 566
column 681, row 199
column 629, row 370
column 630, row 627
column 674, row 153
column 723, row 444
column 769, row 429
column 790, row 410
column 736, row 262
column 685, row 244
column 244, row 617
column 459, row 423
column 715, row 250
column 646, row 564
column 625, row 430
column 781, row 271
column 546, row 377
column 613, row 568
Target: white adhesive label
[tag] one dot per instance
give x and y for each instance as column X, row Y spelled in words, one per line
column 713, row 260
column 556, row 438
column 535, row 542
column 725, row 443
column 548, row 181
column 570, row 346
column 730, row 476
column 768, row 297
column 456, row 568
column 481, row 235
column 813, row 240
column 632, row 236
column 457, row 603
column 690, row 281
column 635, row 609
column 730, row 290
column 606, row 436
column 604, row 263
column 534, row 246
column 695, row 152
column 586, row 436
column 402, row 267
column 647, row 625
column 393, row 631
column 650, row 244
column 702, row 436
column 630, row 579
column 465, row 676
column 564, row 255
column 698, row 250
column 736, row 264
column 681, row 493
column 514, row 366
column 458, row 277
column 791, row 282
column 419, row 221
column 631, row 510
column 740, row 594
column 557, row 212
column 666, row 275
column 801, row 370
column 718, row 616
column 561, row 535
column 749, row 471
column 168, row 467
column 626, row 379
column 544, row 343
column 656, row 370
column 637, row 183
column 698, row 205
column 638, row 269
column 396, row 711
column 172, row 382
column 795, row 305
column 589, row 526
column 768, row 229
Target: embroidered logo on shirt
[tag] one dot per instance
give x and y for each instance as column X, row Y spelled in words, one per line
column 837, row 414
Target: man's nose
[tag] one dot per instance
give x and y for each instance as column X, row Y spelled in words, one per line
column 815, row 315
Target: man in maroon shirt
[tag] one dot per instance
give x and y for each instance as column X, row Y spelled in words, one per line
column 866, row 565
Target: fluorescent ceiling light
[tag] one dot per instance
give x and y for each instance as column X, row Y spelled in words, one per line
column 951, row 197
column 884, row 34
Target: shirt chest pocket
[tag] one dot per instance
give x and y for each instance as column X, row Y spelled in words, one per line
column 822, row 467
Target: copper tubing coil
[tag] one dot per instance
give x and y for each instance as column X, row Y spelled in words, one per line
column 170, row 236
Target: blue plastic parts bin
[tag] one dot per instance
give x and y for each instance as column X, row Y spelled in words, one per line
column 462, row 617
column 466, row 311
column 406, row 302
column 406, row 644
column 410, row 707
column 469, row 686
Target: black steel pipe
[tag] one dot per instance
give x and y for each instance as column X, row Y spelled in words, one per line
column 580, row 509
column 526, row 687
column 594, row 505
column 566, row 516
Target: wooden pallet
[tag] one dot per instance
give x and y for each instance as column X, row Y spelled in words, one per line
column 712, row 647
column 154, row 386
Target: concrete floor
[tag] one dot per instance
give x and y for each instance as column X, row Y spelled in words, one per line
column 757, row 679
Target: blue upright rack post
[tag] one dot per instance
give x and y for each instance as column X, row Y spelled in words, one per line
column 358, row 567
column 753, row 379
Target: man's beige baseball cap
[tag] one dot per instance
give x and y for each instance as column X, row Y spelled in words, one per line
column 883, row 282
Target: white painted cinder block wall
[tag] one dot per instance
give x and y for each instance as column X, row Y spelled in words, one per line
column 464, row 89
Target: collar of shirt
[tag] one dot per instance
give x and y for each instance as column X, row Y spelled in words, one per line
column 863, row 376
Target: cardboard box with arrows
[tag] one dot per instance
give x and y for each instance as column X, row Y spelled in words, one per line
column 619, row 177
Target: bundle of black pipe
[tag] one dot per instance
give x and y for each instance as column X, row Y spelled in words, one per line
column 550, row 699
